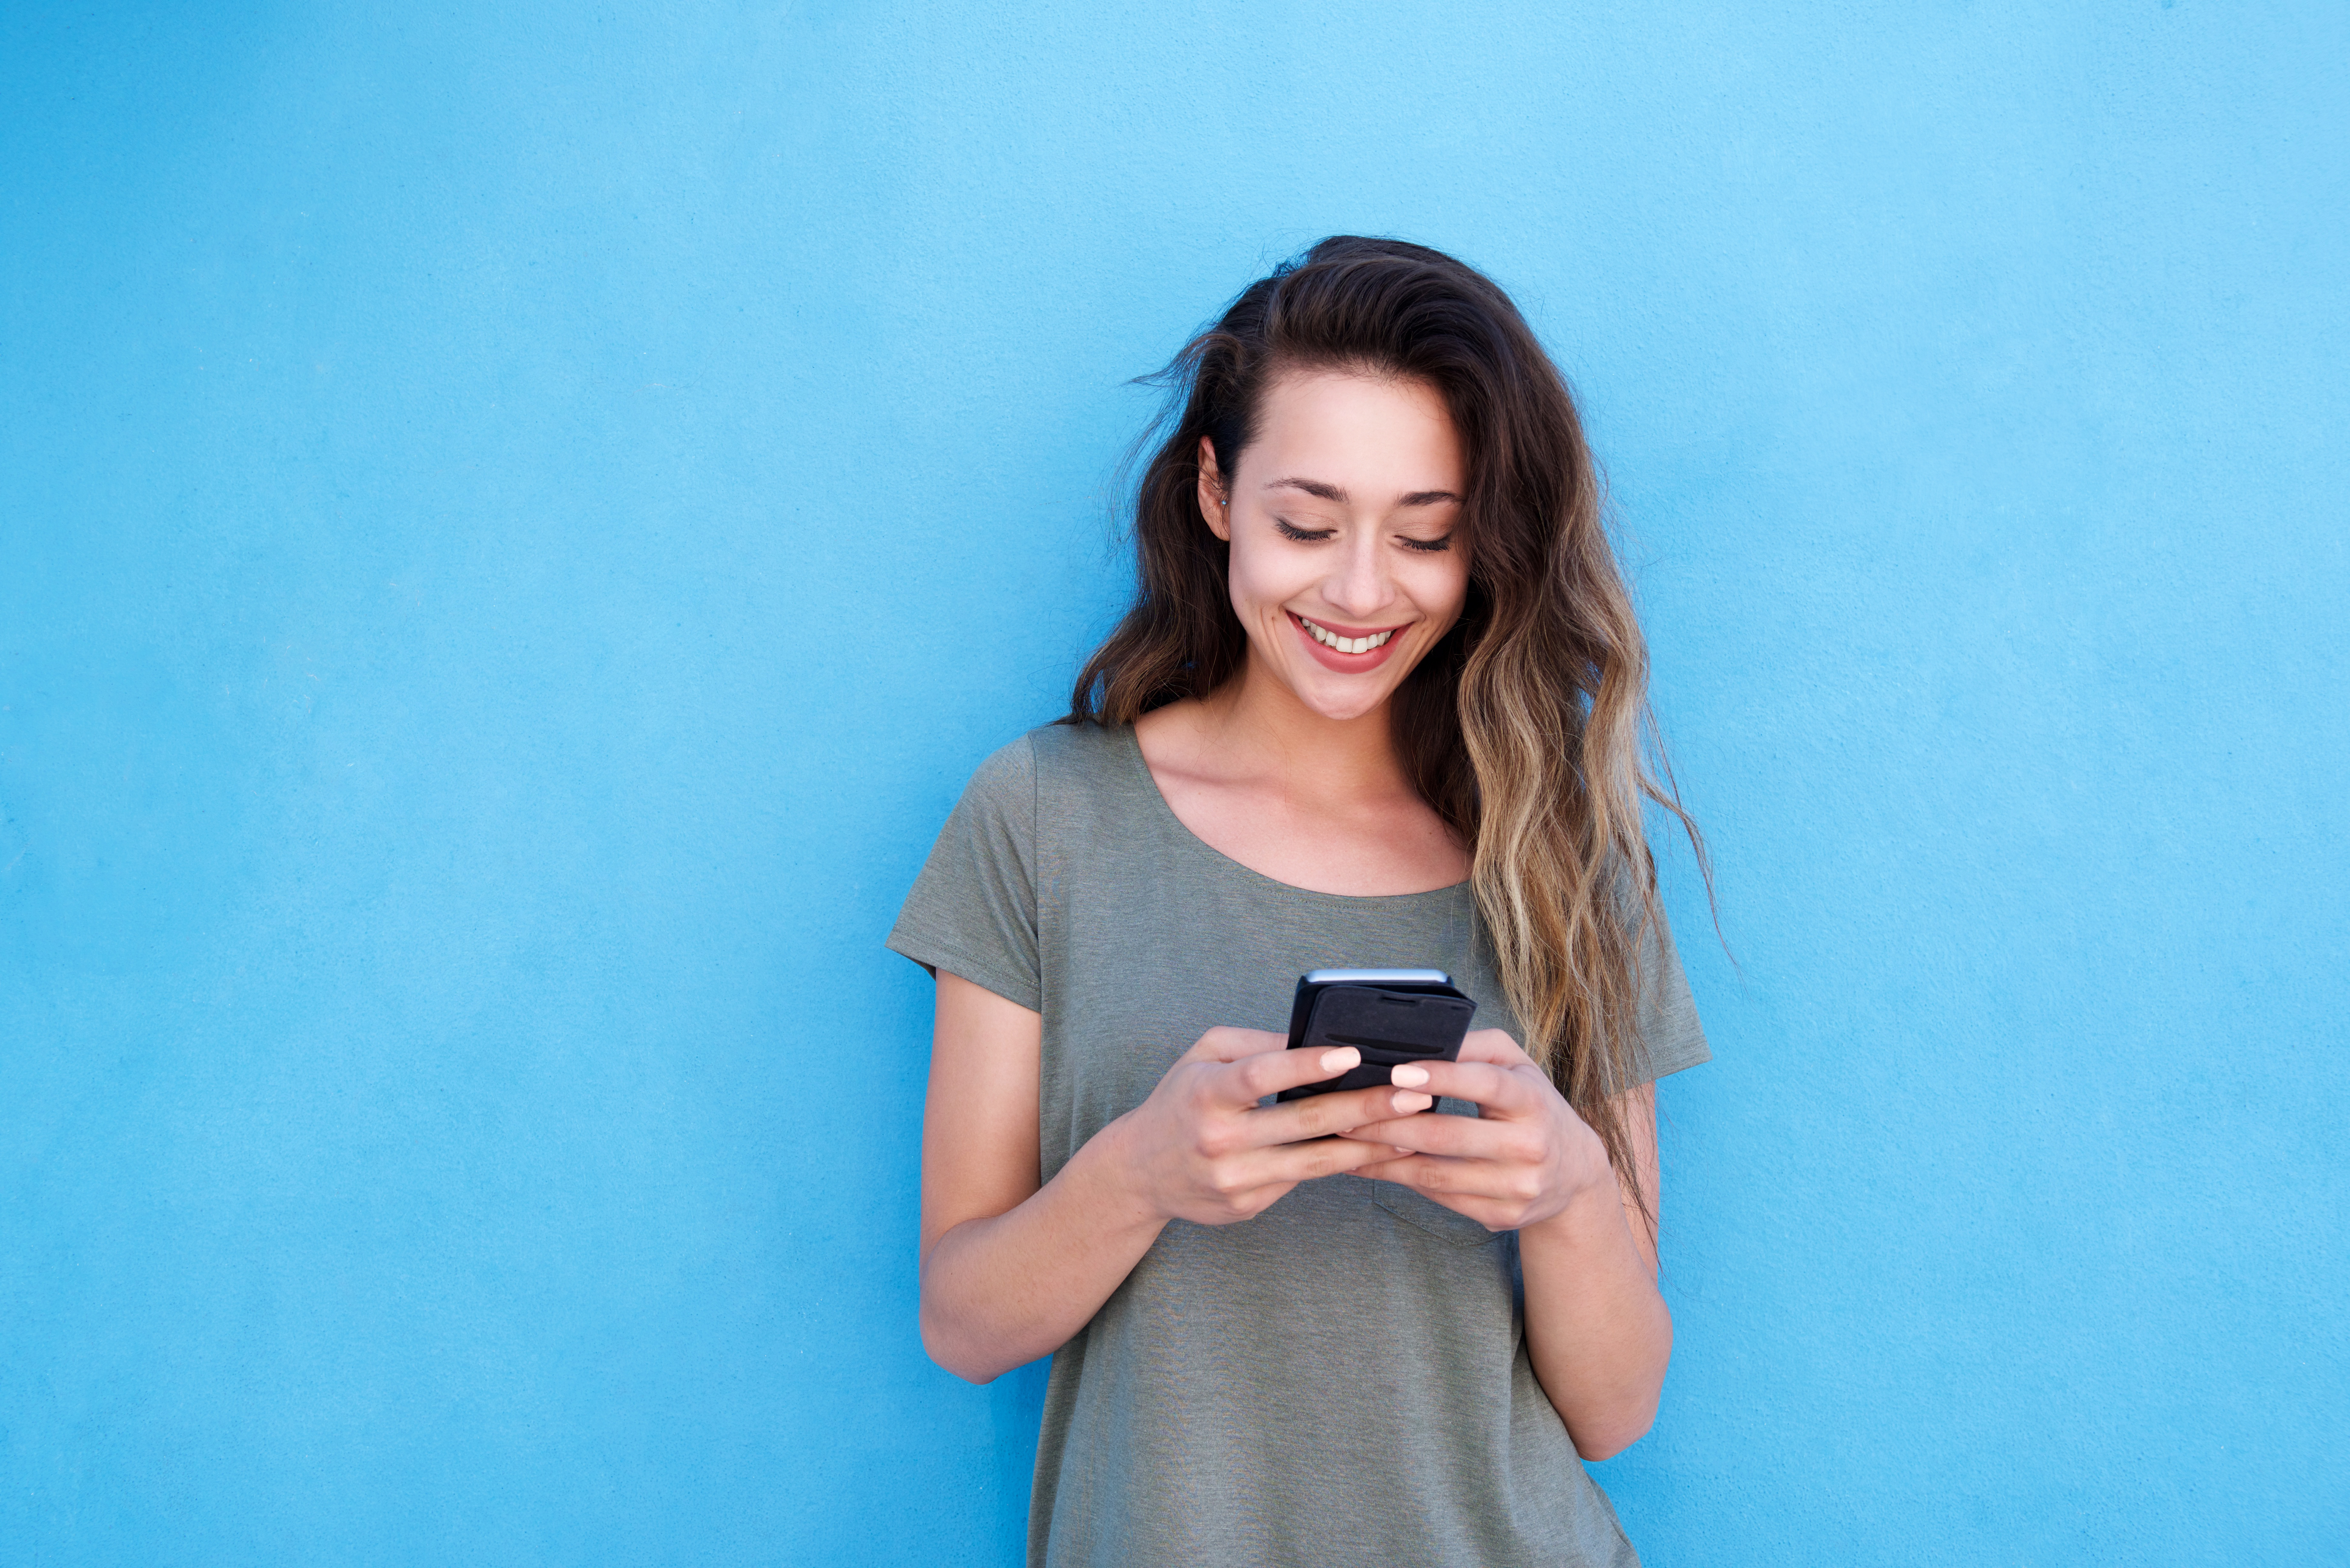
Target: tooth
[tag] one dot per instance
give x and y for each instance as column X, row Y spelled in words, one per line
column 1356, row 644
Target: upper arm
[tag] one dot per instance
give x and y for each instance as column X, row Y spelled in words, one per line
column 979, row 1120
column 1636, row 1112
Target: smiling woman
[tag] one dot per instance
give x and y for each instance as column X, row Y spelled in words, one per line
column 1314, row 553
column 1377, row 703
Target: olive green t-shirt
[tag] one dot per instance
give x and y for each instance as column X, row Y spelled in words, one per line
column 1342, row 1379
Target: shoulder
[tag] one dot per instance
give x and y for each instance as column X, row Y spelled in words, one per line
column 1007, row 776
column 1065, row 746
column 1070, row 762
column 1050, row 768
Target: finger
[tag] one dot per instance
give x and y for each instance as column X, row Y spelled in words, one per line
column 1294, row 1162
column 1453, row 1182
column 1224, row 1043
column 1503, row 1091
column 1245, row 1082
column 1495, row 1046
column 1456, row 1137
column 1494, row 1214
column 1323, row 1114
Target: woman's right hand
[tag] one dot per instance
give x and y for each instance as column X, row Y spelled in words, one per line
column 1200, row 1148
column 1011, row 1268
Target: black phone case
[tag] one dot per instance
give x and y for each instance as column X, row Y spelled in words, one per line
column 1391, row 1024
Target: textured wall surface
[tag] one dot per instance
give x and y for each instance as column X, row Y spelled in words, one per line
column 515, row 523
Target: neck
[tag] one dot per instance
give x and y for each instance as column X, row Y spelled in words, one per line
column 1257, row 722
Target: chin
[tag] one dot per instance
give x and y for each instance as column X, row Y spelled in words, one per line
column 1340, row 706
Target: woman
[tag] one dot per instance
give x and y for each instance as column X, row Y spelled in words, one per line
column 1378, row 703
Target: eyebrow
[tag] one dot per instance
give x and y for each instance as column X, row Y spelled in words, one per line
column 1329, row 492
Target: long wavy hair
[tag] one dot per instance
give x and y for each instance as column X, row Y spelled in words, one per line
column 1527, row 727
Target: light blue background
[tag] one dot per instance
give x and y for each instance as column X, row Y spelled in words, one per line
column 518, row 525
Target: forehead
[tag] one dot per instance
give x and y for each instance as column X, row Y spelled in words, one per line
column 1374, row 436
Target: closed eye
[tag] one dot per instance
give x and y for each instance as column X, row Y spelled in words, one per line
column 1425, row 546
column 1288, row 529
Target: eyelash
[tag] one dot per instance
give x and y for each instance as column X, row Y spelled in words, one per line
column 1289, row 530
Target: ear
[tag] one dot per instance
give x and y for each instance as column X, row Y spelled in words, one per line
column 1211, row 493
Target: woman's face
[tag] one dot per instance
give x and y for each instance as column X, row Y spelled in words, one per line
column 1340, row 517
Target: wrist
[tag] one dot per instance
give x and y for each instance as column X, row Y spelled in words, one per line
column 1591, row 1214
column 1112, row 1173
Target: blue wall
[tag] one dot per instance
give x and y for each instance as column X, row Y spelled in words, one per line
column 514, row 527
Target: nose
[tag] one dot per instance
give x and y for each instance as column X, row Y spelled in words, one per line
column 1360, row 586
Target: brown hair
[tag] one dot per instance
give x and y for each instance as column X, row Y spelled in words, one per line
column 1524, row 728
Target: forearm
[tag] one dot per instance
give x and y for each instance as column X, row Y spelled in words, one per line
column 998, row 1292
column 1597, row 1332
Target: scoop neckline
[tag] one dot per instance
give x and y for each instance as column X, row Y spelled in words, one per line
column 1149, row 783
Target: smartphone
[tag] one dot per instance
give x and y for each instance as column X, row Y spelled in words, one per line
column 1393, row 1016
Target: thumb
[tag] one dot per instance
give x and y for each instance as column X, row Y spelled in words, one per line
column 1493, row 1045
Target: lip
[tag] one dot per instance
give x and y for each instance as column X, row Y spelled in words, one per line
column 1347, row 663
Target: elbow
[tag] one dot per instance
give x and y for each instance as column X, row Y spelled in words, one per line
column 1607, row 1445
column 1612, row 1422
column 971, row 1372
column 1606, row 1434
column 953, row 1354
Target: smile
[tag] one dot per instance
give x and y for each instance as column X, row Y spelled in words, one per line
column 1331, row 639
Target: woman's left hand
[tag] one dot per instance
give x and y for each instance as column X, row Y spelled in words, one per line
column 1525, row 1157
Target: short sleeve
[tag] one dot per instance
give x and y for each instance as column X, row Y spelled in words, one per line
column 973, row 911
column 1669, row 1031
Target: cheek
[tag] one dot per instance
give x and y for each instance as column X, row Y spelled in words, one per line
column 1259, row 577
column 1440, row 589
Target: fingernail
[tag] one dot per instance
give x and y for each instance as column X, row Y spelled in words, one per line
column 1341, row 1059
column 1408, row 1078
column 1407, row 1101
